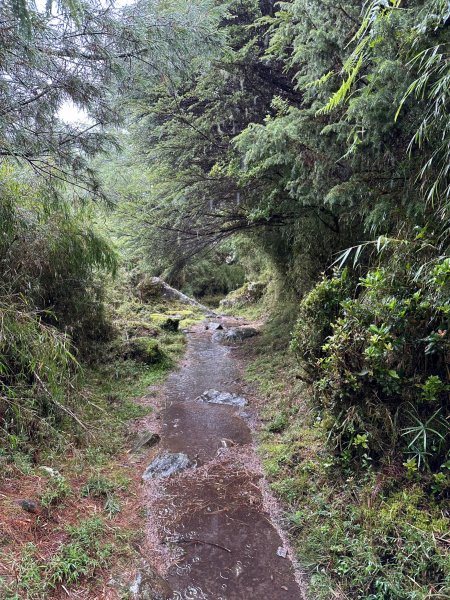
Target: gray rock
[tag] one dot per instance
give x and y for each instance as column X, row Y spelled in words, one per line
column 153, row 287
column 148, row 585
column 243, row 333
column 215, row 326
column 218, row 336
column 30, row 506
column 51, row 472
column 216, row 397
column 167, row 464
column 236, row 334
column 148, row 438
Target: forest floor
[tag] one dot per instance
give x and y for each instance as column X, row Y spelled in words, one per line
column 91, row 526
column 71, row 516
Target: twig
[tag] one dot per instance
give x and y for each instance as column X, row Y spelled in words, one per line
column 196, row 541
column 61, row 406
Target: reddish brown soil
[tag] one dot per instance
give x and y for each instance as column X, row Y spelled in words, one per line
column 47, row 529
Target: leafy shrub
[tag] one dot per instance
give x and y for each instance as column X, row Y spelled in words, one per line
column 81, row 556
column 50, row 302
column 171, row 325
column 391, row 552
column 364, row 535
column 278, row 423
column 99, row 486
column 382, row 380
column 317, row 311
column 37, row 371
column 56, row 489
column 50, row 254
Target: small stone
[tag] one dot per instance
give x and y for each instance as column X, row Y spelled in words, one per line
column 167, row 464
column 148, row 585
column 50, row 471
column 31, row 506
column 216, row 397
column 244, row 414
column 281, row 552
column 148, row 438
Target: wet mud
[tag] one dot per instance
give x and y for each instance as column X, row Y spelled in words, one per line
column 213, row 514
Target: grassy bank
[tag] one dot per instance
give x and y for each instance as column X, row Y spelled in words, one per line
column 361, row 532
column 71, row 513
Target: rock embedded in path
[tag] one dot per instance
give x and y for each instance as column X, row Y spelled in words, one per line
column 216, row 397
column 148, row 585
column 167, row 464
column 214, row 326
column 236, row 334
column 242, row 333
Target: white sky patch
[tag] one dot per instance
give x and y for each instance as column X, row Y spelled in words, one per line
column 71, row 114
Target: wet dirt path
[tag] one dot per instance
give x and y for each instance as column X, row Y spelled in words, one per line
column 213, row 515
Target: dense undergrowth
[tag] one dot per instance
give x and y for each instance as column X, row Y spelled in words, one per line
column 52, row 263
column 77, row 348
column 376, row 349
column 355, row 440
column 78, row 478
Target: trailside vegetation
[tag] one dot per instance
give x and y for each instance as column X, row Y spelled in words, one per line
column 320, row 132
column 298, row 150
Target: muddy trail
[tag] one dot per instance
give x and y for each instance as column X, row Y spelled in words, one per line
column 211, row 517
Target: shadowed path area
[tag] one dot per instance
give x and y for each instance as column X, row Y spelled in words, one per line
column 213, row 512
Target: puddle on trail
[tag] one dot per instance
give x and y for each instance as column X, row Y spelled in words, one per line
column 214, row 513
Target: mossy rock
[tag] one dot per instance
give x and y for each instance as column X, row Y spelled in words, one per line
column 171, row 324
column 249, row 293
column 158, row 318
column 145, row 350
column 142, row 329
column 149, row 288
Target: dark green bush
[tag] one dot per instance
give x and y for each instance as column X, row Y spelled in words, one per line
column 317, row 311
column 50, row 254
column 382, row 381
column 171, row 325
column 37, row 371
